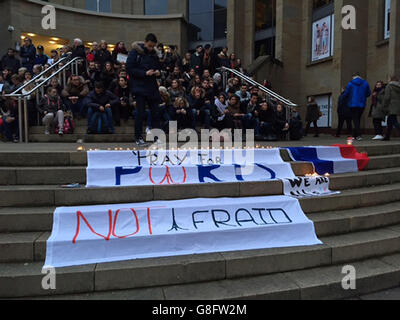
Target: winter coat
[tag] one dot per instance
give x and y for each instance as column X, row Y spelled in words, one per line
column 41, row 59
column 50, row 104
column 79, row 51
column 139, row 62
column 235, row 109
column 12, row 63
column 343, row 110
column 197, row 61
column 28, row 55
column 102, row 56
column 313, row 112
column 377, row 108
column 357, row 92
column 80, row 91
column 267, row 116
column 95, row 101
column 391, row 105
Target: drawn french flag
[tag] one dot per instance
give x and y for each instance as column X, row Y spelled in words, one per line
column 333, row 160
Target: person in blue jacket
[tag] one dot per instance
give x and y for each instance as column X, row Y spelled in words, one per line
column 143, row 67
column 356, row 95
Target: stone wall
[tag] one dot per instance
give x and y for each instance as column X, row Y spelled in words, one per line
column 90, row 26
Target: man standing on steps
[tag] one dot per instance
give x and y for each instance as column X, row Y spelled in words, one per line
column 143, row 67
column 356, row 94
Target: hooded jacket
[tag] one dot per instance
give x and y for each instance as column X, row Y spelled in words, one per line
column 50, row 104
column 391, row 105
column 357, row 92
column 140, row 60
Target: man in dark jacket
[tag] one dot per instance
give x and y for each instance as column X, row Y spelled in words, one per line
column 344, row 114
column 103, row 55
column 41, row 58
column 9, row 61
column 391, row 105
column 143, row 67
column 197, row 60
column 28, row 54
column 356, row 93
column 100, row 103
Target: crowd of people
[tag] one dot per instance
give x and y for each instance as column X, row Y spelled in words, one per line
column 155, row 85
column 151, row 83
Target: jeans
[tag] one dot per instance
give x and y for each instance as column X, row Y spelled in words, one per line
column 106, row 117
column 264, row 129
column 76, row 108
column 148, row 117
column 141, row 111
column 249, row 122
column 10, row 129
column 50, row 119
column 205, row 115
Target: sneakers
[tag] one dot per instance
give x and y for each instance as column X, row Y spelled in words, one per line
column 359, row 139
column 47, row 132
column 378, row 137
column 141, row 143
column 148, row 130
column 60, row 133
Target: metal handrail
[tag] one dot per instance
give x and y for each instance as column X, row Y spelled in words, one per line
column 74, row 65
column 258, row 85
column 40, row 75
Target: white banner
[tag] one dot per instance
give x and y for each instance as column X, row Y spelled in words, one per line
column 139, row 168
column 97, row 234
column 303, row 187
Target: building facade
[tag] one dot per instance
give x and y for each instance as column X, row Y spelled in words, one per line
column 300, row 46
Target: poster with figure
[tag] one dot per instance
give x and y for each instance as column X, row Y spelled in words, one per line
column 325, row 105
column 321, row 38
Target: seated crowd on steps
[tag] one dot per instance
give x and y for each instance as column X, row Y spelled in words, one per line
column 190, row 89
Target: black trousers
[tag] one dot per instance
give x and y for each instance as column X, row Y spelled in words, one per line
column 356, row 114
column 315, row 127
column 348, row 121
column 392, row 122
column 378, row 126
column 154, row 106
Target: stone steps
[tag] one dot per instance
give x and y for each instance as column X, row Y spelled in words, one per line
column 31, row 246
column 360, row 227
column 50, row 195
column 372, row 275
column 382, row 156
column 24, row 279
column 40, row 219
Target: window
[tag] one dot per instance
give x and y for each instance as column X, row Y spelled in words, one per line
column 98, row 5
column 321, row 3
column 156, row 7
column 265, row 14
column 265, row 28
column 207, row 20
column 323, row 27
column 387, row 20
